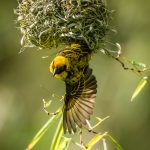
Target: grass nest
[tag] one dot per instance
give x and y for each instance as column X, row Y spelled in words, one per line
column 47, row 23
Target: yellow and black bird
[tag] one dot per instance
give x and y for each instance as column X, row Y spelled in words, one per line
column 72, row 66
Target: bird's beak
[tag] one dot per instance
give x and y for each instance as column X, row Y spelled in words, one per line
column 55, row 71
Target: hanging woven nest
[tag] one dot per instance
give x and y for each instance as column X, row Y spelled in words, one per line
column 47, row 23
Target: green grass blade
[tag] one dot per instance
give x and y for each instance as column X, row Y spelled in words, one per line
column 139, row 87
column 94, row 140
column 43, row 130
column 118, row 146
column 57, row 136
column 64, row 144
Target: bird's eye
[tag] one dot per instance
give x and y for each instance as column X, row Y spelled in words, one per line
column 63, row 68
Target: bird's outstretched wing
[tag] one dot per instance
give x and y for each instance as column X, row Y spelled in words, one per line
column 79, row 101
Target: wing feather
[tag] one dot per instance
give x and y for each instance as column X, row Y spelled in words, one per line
column 72, row 121
column 76, row 118
column 79, row 114
column 82, row 110
column 64, row 121
column 68, row 122
column 79, row 101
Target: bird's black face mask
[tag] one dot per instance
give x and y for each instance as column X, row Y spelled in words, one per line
column 59, row 70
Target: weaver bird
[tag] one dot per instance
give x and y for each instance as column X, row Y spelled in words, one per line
column 72, row 66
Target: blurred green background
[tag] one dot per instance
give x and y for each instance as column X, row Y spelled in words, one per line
column 25, row 81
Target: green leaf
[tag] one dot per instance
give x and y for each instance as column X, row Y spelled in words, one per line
column 43, row 130
column 118, row 146
column 64, row 144
column 57, row 136
column 94, row 140
column 139, row 87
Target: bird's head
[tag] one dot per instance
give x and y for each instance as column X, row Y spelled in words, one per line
column 59, row 67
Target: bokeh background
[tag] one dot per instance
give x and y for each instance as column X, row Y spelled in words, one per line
column 25, row 81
